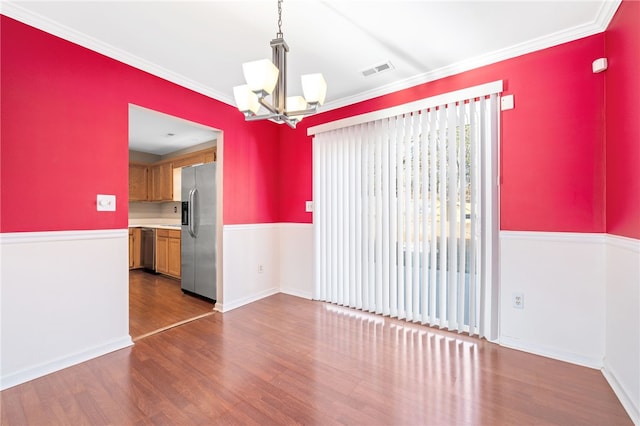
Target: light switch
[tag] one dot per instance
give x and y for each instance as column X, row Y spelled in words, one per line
column 308, row 206
column 106, row 203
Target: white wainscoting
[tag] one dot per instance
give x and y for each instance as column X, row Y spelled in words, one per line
column 296, row 259
column 285, row 251
column 246, row 247
column 562, row 278
column 64, row 295
column 622, row 360
column 64, row 300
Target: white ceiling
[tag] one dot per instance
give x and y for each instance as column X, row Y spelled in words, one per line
column 157, row 133
column 202, row 44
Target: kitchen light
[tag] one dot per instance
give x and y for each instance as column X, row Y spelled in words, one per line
column 269, row 78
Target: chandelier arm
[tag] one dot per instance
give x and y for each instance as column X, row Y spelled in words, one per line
column 268, row 106
column 278, row 118
column 290, row 123
column 304, row 112
column 270, row 116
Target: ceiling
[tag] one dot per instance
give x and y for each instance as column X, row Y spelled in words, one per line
column 202, row 44
column 157, row 133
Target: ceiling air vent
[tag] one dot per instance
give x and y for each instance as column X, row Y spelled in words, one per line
column 376, row 69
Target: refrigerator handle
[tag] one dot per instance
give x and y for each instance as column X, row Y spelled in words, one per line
column 192, row 196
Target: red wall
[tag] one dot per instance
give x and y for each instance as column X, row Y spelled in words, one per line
column 552, row 142
column 64, row 136
column 622, row 80
column 64, row 127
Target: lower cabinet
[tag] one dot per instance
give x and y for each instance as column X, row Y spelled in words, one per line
column 174, row 260
column 168, row 252
column 135, row 258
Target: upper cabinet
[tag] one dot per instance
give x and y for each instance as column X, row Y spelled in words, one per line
column 155, row 182
column 199, row 157
column 177, row 184
column 210, row 156
column 138, row 182
column 162, row 182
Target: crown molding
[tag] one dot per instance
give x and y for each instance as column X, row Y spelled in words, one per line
column 598, row 25
column 15, row 11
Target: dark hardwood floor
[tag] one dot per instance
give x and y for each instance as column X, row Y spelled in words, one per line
column 286, row 360
column 156, row 302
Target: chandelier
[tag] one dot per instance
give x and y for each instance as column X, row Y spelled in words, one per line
column 269, row 78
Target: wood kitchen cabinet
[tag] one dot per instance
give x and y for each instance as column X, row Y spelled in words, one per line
column 211, row 155
column 168, row 252
column 175, row 260
column 162, row 251
column 204, row 156
column 154, row 182
column 162, row 182
column 138, row 182
column 135, row 247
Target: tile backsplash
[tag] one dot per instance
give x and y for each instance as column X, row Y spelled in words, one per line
column 142, row 210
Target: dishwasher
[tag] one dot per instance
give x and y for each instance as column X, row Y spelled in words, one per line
column 149, row 249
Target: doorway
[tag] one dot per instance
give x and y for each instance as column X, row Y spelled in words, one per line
column 160, row 145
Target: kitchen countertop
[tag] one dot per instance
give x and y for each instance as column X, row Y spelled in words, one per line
column 159, row 226
column 154, row 223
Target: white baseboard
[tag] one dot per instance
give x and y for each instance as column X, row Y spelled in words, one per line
column 297, row 293
column 552, row 353
column 31, row 373
column 234, row 304
column 633, row 408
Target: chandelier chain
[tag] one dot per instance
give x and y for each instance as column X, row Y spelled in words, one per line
column 279, row 35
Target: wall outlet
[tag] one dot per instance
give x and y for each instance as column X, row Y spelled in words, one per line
column 517, row 300
column 260, row 268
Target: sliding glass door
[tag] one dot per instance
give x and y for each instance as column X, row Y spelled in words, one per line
column 406, row 215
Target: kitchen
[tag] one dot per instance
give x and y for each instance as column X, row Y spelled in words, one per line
column 172, row 221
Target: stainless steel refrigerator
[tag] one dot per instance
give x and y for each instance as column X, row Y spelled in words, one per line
column 199, row 230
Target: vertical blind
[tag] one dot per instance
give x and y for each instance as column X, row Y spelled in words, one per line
column 405, row 215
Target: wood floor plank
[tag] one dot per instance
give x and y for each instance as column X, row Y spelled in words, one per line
column 286, row 360
column 156, row 302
